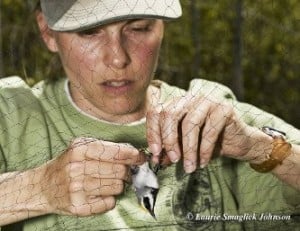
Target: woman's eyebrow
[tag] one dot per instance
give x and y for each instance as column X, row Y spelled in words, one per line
column 140, row 19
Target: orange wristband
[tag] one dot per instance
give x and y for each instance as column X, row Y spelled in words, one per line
column 281, row 150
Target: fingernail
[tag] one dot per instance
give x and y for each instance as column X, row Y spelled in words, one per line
column 189, row 166
column 155, row 149
column 173, row 156
column 203, row 163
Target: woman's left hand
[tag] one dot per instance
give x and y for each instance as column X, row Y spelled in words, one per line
column 192, row 127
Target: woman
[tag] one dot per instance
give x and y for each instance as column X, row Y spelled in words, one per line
column 67, row 145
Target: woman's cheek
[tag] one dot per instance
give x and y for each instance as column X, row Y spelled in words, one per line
column 83, row 65
column 147, row 54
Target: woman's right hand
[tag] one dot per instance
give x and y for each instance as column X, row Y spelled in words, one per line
column 85, row 179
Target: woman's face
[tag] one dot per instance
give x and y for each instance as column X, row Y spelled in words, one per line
column 110, row 67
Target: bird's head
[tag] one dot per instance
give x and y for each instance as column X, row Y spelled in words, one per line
column 146, row 186
column 147, row 198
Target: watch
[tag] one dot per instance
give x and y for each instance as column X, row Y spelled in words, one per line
column 281, row 150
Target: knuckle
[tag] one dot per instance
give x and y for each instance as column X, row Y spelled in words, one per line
column 190, row 152
column 139, row 159
column 170, row 141
column 110, row 203
column 166, row 113
column 76, row 141
column 210, row 134
column 80, row 141
column 84, row 142
column 153, row 136
column 169, row 146
column 153, row 112
column 74, row 210
column 75, row 169
column 79, row 211
column 120, row 171
column 152, row 132
column 206, row 151
column 118, row 186
column 190, row 123
column 75, row 186
column 225, row 108
column 170, row 135
column 78, row 145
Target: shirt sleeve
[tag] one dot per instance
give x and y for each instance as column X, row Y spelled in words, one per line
column 7, row 92
column 21, row 119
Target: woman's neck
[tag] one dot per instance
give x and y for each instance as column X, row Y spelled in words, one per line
column 152, row 98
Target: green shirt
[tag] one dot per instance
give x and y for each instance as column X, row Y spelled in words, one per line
column 38, row 123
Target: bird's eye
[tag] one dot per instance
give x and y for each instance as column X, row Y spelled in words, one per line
column 134, row 170
column 154, row 191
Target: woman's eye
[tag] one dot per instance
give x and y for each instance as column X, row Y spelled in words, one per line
column 141, row 25
column 89, row 32
column 141, row 28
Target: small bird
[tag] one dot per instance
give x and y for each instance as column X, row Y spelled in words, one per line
column 145, row 181
column 146, row 186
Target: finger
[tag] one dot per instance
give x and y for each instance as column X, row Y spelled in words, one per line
column 165, row 160
column 102, row 187
column 191, row 126
column 169, row 121
column 93, row 205
column 214, row 125
column 88, row 148
column 191, row 129
column 153, row 131
column 101, row 204
column 106, row 170
column 77, row 197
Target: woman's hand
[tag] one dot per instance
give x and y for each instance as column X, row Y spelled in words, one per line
column 85, row 179
column 191, row 127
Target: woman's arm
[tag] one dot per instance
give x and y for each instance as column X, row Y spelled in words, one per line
column 21, row 196
column 208, row 118
column 82, row 181
column 289, row 170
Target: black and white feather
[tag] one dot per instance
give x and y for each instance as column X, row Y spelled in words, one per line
column 146, row 186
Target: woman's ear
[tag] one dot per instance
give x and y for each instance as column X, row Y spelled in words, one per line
column 46, row 33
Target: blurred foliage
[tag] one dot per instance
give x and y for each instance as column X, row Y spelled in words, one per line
column 198, row 45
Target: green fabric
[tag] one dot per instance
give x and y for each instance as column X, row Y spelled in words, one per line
column 38, row 123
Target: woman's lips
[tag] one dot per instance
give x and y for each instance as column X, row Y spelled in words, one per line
column 117, row 87
column 116, row 83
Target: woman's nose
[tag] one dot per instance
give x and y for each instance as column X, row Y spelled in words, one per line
column 117, row 56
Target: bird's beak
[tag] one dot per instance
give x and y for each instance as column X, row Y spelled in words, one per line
column 151, row 211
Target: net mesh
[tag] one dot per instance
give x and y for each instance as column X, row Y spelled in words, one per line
column 66, row 146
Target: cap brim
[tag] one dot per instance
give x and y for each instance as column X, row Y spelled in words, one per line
column 84, row 14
